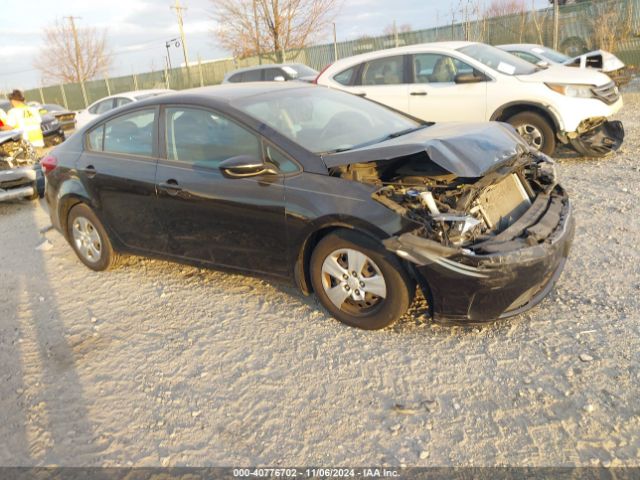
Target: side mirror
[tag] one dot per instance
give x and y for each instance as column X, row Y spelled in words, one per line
column 244, row 166
column 543, row 64
column 279, row 78
column 469, row 78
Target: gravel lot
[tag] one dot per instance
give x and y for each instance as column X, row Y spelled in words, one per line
column 161, row 364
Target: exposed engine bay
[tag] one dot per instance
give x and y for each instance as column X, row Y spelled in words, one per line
column 452, row 210
column 16, row 152
column 19, row 172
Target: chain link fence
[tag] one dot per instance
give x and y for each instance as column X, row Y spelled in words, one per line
column 579, row 33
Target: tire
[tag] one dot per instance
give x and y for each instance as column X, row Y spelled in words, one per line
column 96, row 252
column 536, row 131
column 369, row 311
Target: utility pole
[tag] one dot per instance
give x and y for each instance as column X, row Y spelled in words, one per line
column 335, row 43
column 78, row 66
column 179, row 9
column 257, row 27
column 556, row 23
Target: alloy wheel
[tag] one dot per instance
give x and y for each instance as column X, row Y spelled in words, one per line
column 353, row 282
column 87, row 240
column 531, row 134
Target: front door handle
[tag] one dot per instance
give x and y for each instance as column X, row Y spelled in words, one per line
column 90, row 171
column 171, row 187
column 419, row 93
column 360, row 94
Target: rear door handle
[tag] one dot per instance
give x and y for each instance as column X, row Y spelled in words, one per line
column 171, row 187
column 90, row 171
column 419, row 93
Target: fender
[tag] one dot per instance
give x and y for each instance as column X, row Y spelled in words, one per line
column 70, row 193
column 551, row 113
column 315, row 230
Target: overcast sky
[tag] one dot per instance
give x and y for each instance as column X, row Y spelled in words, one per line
column 137, row 29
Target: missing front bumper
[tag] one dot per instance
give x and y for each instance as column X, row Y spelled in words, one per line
column 511, row 276
column 598, row 139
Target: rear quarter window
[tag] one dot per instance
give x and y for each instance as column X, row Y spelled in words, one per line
column 346, row 77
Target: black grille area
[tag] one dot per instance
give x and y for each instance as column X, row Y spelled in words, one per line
column 607, row 93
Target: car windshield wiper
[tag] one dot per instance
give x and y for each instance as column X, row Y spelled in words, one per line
column 335, row 150
column 403, row 132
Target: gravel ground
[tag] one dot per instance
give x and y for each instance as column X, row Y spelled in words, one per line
column 161, row 364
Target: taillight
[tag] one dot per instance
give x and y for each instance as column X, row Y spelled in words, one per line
column 49, row 163
column 320, row 74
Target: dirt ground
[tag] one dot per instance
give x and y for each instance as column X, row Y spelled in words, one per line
column 161, row 364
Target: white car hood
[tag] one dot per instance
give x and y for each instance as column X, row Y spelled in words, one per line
column 562, row 74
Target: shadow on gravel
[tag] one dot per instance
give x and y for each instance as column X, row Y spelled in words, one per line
column 51, row 408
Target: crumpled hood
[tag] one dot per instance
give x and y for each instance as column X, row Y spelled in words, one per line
column 464, row 149
column 10, row 134
column 564, row 74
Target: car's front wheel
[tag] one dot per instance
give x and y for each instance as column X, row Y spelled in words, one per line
column 359, row 282
column 535, row 130
column 89, row 239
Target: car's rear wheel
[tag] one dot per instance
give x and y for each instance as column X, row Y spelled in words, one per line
column 535, row 130
column 89, row 239
column 359, row 282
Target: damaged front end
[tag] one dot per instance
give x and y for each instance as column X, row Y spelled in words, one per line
column 19, row 174
column 597, row 137
column 483, row 246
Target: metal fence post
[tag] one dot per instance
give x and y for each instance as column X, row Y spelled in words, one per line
column 106, row 82
column 135, row 82
column 64, row 96
column 84, row 94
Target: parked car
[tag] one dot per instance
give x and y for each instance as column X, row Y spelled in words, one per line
column 66, row 118
column 51, row 129
column 598, row 59
column 343, row 197
column 107, row 104
column 272, row 73
column 466, row 81
column 20, row 173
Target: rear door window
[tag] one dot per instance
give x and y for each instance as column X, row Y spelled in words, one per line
column 131, row 134
column 384, row 71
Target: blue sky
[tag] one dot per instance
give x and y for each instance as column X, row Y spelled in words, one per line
column 137, row 29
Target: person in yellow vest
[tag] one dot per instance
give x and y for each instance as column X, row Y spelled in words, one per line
column 25, row 118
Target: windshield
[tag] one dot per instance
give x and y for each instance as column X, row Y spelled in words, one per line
column 552, row 55
column 498, row 60
column 323, row 120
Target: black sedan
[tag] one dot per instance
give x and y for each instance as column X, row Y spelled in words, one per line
column 66, row 118
column 342, row 196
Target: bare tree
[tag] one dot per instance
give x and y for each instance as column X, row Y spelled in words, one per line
column 612, row 24
column 251, row 27
column 73, row 55
column 501, row 8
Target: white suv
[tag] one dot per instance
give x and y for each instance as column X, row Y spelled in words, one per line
column 467, row 81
